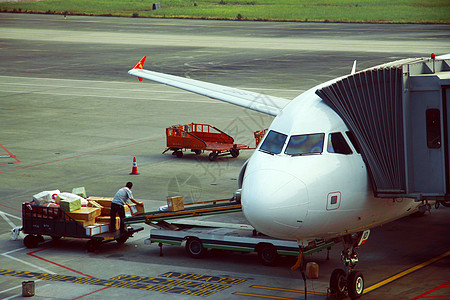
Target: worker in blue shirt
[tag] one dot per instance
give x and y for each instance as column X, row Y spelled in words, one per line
column 117, row 206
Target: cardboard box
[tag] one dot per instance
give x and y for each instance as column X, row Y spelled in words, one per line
column 175, row 203
column 136, row 209
column 92, row 203
column 86, row 222
column 97, row 228
column 85, row 213
column 103, row 201
column 105, row 220
column 80, row 191
column 70, row 205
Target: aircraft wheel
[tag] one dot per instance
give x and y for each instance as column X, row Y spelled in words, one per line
column 267, row 254
column 355, row 285
column 31, row 241
column 337, row 282
column 195, row 249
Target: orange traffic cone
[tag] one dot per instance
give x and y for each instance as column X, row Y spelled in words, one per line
column 134, row 170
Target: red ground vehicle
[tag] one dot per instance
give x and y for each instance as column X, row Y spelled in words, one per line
column 199, row 138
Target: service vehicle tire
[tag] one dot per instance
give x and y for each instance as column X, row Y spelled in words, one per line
column 267, row 254
column 355, row 285
column 338, row 283
column 195, row 249
column 234, row 152
column 122, row 239
column 179, row 154
column 92, row 245
column 213, row 156
column 56, row 238
column 198, row 152
column 31, row 241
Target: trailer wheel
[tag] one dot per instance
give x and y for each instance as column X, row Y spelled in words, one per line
column 213, row 155
column 267, row 254
column 195, row 249
column 92, row 245
column 122, row 239
column 31, row 241
column 234, row 152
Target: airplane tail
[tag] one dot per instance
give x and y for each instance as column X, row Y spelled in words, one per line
column 140, row 65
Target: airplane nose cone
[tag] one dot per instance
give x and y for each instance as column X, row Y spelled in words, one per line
column 274, row 202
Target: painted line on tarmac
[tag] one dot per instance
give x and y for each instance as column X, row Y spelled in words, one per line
column 32, row 253
column 286, row 290
column 165, row 285
column 6, row 254
column 425, row 295
column 404, row 273
column 116, row 97
column 128, row 89
column 80, row 155
column 124, row 82
column 264, row 296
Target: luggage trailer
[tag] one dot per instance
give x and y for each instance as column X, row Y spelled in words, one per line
column 198, row 236
column 231, row 237
column 39, row 221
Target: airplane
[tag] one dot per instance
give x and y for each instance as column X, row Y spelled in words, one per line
column 307, row 180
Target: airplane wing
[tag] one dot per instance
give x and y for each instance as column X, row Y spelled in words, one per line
column 259, row 102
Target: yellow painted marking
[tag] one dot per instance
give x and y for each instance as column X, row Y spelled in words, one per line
column 404, row 273
column 285, row 290
column 264, row 296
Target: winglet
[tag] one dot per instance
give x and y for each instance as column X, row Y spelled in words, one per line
column 354, row 67
column 140, row 65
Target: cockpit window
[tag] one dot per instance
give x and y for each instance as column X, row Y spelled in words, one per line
column 337, row 144
column 305, row 144
column 352, row 139
column 274, row 142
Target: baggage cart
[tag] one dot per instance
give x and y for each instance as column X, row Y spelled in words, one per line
column 199, row 138
column 38, row 221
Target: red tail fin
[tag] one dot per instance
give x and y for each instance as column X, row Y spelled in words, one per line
column 140, row 65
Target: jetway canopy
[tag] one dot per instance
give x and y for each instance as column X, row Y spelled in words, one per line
column 398, row 113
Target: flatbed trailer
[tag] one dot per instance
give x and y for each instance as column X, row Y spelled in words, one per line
column 199, row 138
column 38, row 221
column 232, row 237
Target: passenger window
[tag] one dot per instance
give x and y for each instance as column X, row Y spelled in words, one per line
column 305, row 144
column 337, row 144
column 433, row 128
column 352, row 139
column 273, row 143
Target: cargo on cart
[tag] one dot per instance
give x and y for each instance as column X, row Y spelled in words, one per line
column 57, row 215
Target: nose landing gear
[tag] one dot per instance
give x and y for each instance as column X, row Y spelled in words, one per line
column 349, row 282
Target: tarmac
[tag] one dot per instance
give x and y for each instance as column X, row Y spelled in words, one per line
column 71, row 116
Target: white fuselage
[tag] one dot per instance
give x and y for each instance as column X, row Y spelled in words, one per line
column 315, row 195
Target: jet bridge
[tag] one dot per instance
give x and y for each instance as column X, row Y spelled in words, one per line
column 399, row 114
